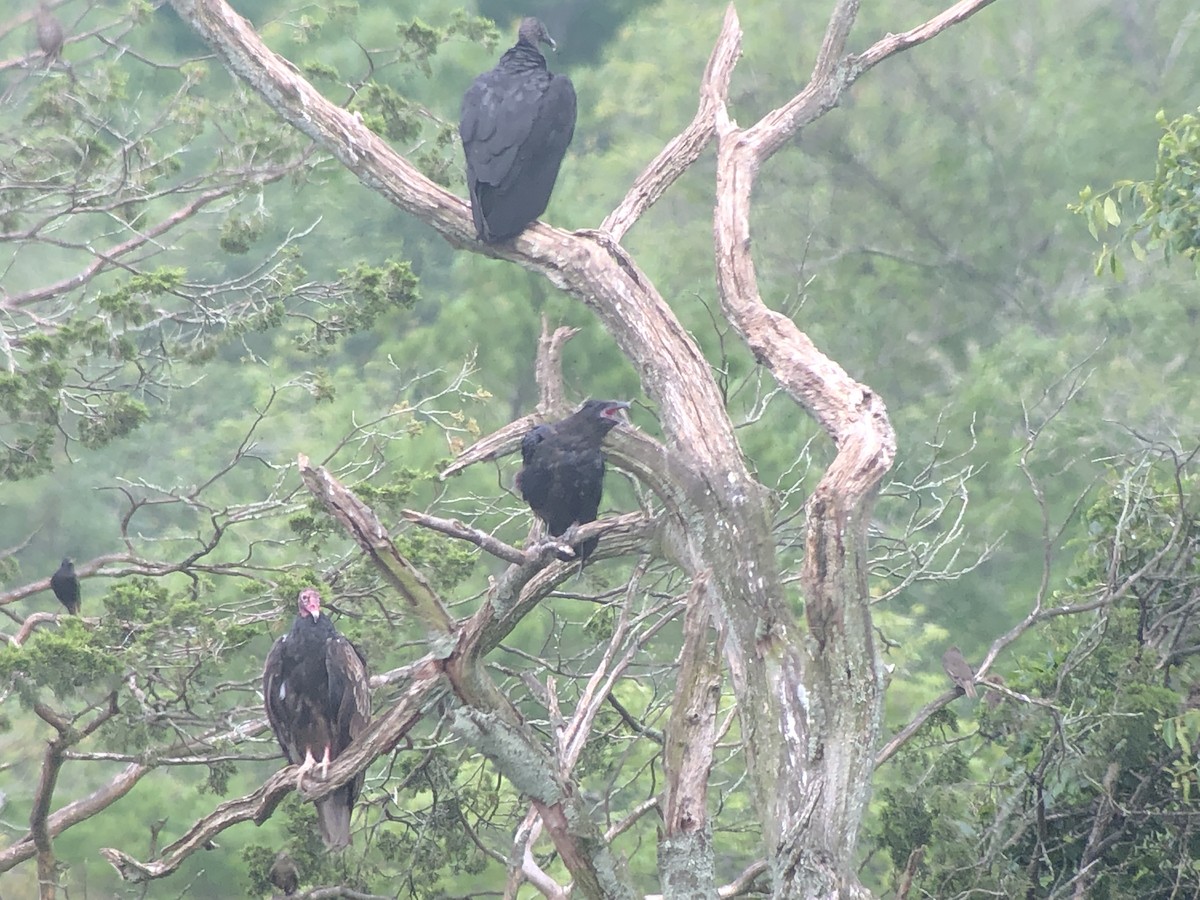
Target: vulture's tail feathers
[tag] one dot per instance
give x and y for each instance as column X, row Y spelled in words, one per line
column 333, row 816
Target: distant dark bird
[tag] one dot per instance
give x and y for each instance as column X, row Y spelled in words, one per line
column 318, row 700
column 66, row 586
column 959, row 670
column 563, row 476
column 284, row 874
column 49, row 33
column 516, row 122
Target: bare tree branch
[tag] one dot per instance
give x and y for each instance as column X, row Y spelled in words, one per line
column 358, row 519
column 678, row 155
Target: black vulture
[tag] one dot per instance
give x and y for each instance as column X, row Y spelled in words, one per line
column 65, row 585
column 563, row 475
column 317, row 696
column 516, row 122
column 284, row 874
column 49, row 33
column 959, row 670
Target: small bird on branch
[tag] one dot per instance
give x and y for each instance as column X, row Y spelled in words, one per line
column 65, row 585
column 959, row 670
column 49, row 33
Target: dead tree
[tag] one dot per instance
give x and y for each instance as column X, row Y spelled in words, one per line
column 809, row 693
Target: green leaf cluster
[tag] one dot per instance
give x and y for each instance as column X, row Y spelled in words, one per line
column 1160, row 214
column 66, row 661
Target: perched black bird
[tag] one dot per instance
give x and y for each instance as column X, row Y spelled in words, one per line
column 318, row 700
column 66, row 586
column 563, row 475
column 959, row 670
column 516, row 122
column 283, row 874
column 49, row 33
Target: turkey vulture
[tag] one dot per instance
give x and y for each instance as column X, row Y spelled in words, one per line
column 66, row 586
column 318, row 700
column 515, row 122
column 563, row 475
column 959, row 670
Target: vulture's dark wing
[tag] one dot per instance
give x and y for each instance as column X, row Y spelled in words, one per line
column 496, row 118
column 515, row 122
column 349, row 690
column 276, row 701
column 532, row 439
column 549, row 136
column 578, row 484
column 586, row 484
column 519, row 185
column 512, row 124
column 349, row 709
column 574, row 465
column 536, row 480
column 590, row 490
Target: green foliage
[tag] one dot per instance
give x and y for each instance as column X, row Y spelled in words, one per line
column 114, row 417
column 240, row 233
column 369, row 293
column 1024, row 796
column 136, row 599
column 1161, row 214
column 311, row 525
column 437, row 162
column 219, row 774
column 387, row 112
column 446, row 562
column 258, row 860
column 419, row 42
column 66, row 661
column 390, row 496
column 27, row 456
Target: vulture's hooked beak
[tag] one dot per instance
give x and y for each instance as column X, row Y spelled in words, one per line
column 619, row 410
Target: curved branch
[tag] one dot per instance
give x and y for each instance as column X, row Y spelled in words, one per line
column 833, row 73
column 548, row 372
column 684, row 149
column 827, row 771
column 361, row 523
column 589, row 266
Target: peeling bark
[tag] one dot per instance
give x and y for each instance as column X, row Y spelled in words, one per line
column 685, row 850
